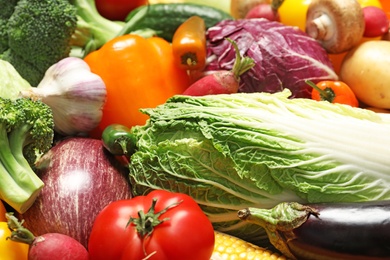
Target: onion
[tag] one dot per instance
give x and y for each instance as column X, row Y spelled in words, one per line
column 80, row 178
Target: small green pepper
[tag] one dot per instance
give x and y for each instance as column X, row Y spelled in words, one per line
column 118, row 140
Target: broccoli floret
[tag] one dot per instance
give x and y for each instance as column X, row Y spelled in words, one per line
column 39, row 34
column 3, row 35
column 26, row 132
column 7, row 9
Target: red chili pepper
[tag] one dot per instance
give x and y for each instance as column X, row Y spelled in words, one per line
column 333, row 92
column 189, row 44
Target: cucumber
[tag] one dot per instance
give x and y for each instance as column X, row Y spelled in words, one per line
column 164, row 19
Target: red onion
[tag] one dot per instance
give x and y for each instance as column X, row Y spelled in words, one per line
column 80, row 178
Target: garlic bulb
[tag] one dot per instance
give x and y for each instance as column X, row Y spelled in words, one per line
column 75, row 94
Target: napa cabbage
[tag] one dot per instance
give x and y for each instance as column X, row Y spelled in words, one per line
column 259, row 149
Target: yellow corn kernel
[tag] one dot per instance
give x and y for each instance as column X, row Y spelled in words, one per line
column 228, row 247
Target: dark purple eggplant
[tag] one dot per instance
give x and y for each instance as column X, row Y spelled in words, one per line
column 358, row 231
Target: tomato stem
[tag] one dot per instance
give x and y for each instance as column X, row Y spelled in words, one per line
column 146, row 222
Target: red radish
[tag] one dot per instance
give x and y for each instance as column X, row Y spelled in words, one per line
column 376, row 21
column 263, row 11
column 223, row 81
column 48, row 246
column 57, row 246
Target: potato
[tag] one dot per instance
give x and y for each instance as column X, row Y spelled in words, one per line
column 366, row 69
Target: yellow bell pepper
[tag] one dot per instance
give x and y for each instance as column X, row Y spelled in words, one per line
column 365, row 3
column 293, row 13
column 10, row 250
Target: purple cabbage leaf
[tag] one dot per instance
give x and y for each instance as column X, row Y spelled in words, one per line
column 284, row 55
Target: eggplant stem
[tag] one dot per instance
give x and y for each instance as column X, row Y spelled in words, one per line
column 279, row 222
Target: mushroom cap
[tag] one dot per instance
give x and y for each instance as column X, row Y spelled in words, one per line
column 337, row 25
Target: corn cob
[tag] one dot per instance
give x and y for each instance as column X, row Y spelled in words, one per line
column 228, row 247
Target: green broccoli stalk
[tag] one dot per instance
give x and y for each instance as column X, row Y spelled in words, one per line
column 26, row 132
column 93, row 30
column 38, row 33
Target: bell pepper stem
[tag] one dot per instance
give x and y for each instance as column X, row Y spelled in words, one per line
column 18, row 232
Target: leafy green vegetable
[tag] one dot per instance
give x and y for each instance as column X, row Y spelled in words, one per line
column 255, row 150
column 26, row 132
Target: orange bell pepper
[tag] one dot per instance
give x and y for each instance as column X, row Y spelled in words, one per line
column 138, row 73
column 189, row 44
column 2, row 212
column 386, row 7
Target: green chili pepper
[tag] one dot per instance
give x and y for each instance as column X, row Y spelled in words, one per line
column 118, row 140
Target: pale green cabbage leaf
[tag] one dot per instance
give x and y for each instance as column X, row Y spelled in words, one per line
column 11, row 82
column 258, row 149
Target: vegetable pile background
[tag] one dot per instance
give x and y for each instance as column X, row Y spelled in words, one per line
column 237, row 129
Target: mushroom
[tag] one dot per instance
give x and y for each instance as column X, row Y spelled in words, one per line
column 239, row 8
column 337, row 25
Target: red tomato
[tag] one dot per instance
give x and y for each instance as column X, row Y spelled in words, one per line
column 179, row 230
column 117, row 9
